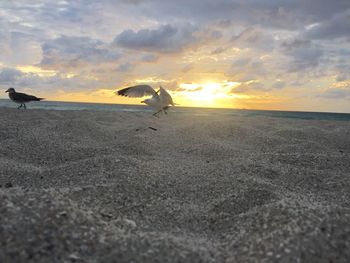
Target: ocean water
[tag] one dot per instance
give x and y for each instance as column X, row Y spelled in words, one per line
column 56, row 105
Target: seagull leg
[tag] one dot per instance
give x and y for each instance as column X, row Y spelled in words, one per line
column 25, row 107
column 164, row 109
column 20, row 106
column 155, row 114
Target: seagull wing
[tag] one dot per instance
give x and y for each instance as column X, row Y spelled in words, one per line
column 165, row 97
column 24, row 97
column 136, row 91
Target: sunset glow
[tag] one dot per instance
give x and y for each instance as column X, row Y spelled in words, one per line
column 206, row 94
column 37, row 71
column 275, row 56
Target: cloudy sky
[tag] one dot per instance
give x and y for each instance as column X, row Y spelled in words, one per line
column 261, row 54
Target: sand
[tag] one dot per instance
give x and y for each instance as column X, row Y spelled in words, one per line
column 84, row 186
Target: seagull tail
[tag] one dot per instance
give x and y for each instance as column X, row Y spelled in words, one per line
column 39, row 99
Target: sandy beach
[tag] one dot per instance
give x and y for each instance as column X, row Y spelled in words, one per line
column 94, row 186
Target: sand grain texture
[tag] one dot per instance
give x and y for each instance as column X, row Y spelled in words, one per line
column 84, row 186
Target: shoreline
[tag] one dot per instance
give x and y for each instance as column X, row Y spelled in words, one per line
column 8, row 102
column 82, row 106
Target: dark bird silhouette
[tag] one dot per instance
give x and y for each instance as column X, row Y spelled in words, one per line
column 21, row 98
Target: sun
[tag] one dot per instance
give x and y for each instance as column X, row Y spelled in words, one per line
column 206, row 94
column 201, row 92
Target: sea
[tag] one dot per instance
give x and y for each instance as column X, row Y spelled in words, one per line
column 58, row 105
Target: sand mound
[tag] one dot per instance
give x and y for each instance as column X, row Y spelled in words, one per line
column 46, row 227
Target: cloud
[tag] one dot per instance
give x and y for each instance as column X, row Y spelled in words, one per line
column 304, row 54
column 341, row 77
column 291, row 15
column 224, row 23
column 248, row 87
column 279, row 84
column 246, row 69
column 242, row 62
column 336, row 27
column 337, row 93
column 165, row 39
column 9, row 75
column 150, row 58
column 298, row 42
column 216, row 34
column 134, row 2
column 187, row 68
column 19, row 79
column 17, row 48
column 218, row 50
column 254, row 38
column 126, row 67
column 72, row 52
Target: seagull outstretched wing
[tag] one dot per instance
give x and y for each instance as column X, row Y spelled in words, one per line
column 165, row 97
column 136, row 91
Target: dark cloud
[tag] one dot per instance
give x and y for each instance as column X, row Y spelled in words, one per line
column 304, row 54
column 293, row 15
column 224, row 23
column 197, row 11
column 217, row 34
column 9, row 75
column 284, row 14
column 341, row 77
column 218, row 50
column 337, row 93
column 126, row 67
column 279, row 85
column 18, row 48
column 58, row 81
column 150, row 58
column 295, row 44
column 242, row 62
column 248, row 87
column 336, row 27
column 254, row 38
column 165, row 39
column 17, row 78
column 134, row 2
column 246, row 69
column 342, row 66
column 76, row 51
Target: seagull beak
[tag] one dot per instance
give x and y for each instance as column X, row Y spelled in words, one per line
column 6, row 91
column 143, row 101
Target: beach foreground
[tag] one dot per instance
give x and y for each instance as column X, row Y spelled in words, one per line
column 85, row 186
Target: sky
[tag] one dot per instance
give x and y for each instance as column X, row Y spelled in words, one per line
column 250, row 54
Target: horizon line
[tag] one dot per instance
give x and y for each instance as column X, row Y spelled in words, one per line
column 199, row 107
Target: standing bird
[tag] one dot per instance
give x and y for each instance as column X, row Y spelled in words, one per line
column 160, row 99
column 21, row 98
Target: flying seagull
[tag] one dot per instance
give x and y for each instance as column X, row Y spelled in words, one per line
column 159, row 101
column 21, row 98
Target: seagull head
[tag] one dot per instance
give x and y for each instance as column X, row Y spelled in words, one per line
column 10, row 90
column 146, row 101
